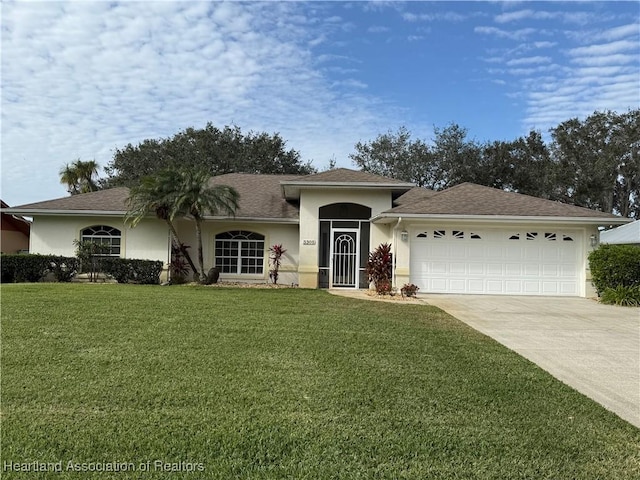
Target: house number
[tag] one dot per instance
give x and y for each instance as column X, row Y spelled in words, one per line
column 308, row 242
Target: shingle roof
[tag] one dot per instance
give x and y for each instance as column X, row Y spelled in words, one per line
column 346, row 175
column 260, row 195
column 110, row 200
column 471, row 199
column 414, row 195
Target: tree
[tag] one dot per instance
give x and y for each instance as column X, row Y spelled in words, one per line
column 195, row 196
column 79, row 176
column 396, row 155
column 523, row 165
column 598, row 161
column 157, row 195
column 211, row 149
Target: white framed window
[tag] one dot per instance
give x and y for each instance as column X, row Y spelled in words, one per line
column 109, row 237
column 240, row 252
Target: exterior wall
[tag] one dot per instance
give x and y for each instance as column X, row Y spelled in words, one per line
column 55, row 235
column 285, row 234
column 402, row 249
column 13, row 241
column 310, row 202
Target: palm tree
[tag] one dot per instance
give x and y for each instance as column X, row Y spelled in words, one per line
column 86, row 171
column 79, row 176
column 197, row 197
column 69, row 176
column 157, row 195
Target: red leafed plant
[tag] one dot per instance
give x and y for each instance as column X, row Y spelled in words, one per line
column 379, row 268
column 275, row 258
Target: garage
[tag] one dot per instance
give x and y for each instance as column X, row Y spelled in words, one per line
column 500, row 261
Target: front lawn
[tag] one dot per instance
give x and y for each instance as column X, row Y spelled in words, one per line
column 248, row 383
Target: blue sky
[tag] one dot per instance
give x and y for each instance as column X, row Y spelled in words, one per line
column 80, row 79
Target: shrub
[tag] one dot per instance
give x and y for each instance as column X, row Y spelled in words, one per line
column 33, row 267
column 179, row 267
column 379, row 268
column 621, row 295
column 409, row 290
column 126, row 270
column 63, row 268
column 615, row 265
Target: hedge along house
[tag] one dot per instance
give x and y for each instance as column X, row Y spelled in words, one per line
column 466, row 239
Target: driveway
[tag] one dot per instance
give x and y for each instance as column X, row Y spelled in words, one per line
column 593, row 348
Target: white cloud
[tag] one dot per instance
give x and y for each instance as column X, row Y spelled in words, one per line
column 605, row 48
column 528, row 61
column 615, row 33
column 519, row 34
column 82, row 78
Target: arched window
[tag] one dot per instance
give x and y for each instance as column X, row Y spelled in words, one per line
column 240, row 252
column 104, row 235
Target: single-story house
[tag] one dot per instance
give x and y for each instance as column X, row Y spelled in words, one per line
column 465, row 239
column 15, row 232
column 628, row 234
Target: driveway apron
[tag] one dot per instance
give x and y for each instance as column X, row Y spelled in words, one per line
column 591, row 347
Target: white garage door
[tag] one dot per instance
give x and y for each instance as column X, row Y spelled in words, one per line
column 496, row 261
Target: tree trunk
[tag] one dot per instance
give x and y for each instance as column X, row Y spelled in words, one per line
column 203, row 275
column 183, row 250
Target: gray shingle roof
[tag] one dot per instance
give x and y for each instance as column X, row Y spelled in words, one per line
column 472, row 199
column 346, row 175
column 261, row 198
column 111, row 200
column 414, row 195
column 260, row 195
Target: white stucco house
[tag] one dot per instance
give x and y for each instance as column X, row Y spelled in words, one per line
column 466, row 239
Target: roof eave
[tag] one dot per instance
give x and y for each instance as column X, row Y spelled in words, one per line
column 49, row 211
column 291, row 189
column 380, row 218
column 287, row 221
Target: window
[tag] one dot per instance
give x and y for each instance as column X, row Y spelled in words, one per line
column 438, row 234
column 550, row 236
column 475, row 236
column 103, row 235
column 567, row 238
column 532, row 235
column 458, row 234
column 422, row 235
column 515, row 236
column 240, row 252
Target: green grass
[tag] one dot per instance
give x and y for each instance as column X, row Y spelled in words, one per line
column 283, row 384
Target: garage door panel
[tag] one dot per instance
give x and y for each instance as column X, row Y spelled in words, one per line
column 529, row 262
column 476, row 269
column 458, row 268
column 476, row 286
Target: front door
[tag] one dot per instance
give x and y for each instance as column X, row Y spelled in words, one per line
column 344, row 255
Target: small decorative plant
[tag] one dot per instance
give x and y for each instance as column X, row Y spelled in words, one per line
column 409, row 290
column 622, row 295
column 275, row 258
column 379, row 268
column 178, row 268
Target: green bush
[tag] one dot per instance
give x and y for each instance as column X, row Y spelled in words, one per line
column 621, row 295
column 615, row 265
column 126, row 270
column 32, row 268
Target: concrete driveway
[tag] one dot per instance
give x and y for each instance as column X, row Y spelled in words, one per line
column 593, row 348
